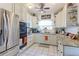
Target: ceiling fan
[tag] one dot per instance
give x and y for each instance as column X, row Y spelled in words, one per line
column 41, row 7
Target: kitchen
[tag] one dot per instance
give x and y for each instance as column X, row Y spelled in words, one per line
column 51, row 29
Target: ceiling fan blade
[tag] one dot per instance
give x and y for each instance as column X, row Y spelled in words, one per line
column 42, row 5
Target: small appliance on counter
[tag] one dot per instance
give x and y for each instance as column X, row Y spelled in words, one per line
column 60, row 30
column 35, row 30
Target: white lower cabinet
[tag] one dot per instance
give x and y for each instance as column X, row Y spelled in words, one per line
column 39, row 38
column 29, row 40
column 71, row 51
column 52, row 39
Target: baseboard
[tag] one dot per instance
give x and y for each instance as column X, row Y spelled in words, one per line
column 46, row 44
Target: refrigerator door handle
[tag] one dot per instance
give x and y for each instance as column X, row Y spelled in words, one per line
column 0, row 32
column 6, row 28
column 1, row 37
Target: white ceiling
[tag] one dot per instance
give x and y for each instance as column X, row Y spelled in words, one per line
column 53, row 7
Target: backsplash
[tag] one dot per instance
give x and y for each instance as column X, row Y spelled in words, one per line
column 72, row 29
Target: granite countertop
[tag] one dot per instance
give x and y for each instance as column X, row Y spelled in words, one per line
column 45, row 33
column 67, row 41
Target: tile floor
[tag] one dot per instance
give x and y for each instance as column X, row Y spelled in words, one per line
column 40, row 50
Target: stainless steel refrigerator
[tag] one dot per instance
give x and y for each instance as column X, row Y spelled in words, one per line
column 9, row 30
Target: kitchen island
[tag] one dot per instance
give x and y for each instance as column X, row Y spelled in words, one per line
column 66, row 45
column 40, row 38
column 53, row 39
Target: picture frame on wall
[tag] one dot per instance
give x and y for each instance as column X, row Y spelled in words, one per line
column 47, row 16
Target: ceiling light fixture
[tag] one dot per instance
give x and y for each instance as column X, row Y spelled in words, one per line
column 53, row 3
column 41, row 11
column 29, row 5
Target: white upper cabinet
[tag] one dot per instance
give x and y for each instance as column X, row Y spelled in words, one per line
column 72, row 14
column 68, row 16
column 7, row 6
column 78, row 13
column 60, row 18
column 17, row 8
column 21, row 10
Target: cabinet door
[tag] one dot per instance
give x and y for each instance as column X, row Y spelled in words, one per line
column 17, row 8
column 29, row 40
column 60, row 19
column 52, row 40
column 71, row 51
column 39, row 38
column 72, row 14
column 7, row 6
column 78, row 13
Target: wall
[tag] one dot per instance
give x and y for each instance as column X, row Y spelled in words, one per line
column 52, row 19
